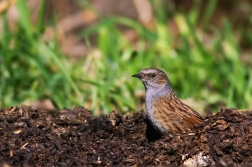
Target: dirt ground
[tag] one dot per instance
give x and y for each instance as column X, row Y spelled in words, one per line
column 31, row 137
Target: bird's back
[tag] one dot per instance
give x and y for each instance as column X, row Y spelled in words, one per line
column 172, row 115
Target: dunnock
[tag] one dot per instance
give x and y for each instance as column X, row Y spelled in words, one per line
column 165, row 111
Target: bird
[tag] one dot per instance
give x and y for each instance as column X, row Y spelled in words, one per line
column 164, row 110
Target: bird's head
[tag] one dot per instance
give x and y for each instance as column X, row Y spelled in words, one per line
column 153, row 78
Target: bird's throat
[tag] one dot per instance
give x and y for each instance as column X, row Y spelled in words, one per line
column 157, row 92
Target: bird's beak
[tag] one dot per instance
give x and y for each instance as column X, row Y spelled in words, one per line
column 137, row 75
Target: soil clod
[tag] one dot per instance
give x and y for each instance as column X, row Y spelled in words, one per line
column 34, row 137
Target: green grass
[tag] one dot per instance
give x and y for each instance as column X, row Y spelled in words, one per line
column 209, row 71
column 32, row 70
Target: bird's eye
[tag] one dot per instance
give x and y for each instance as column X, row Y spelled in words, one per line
column 152, row 75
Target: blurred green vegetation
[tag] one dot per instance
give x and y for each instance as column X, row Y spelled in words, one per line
column 211, row 71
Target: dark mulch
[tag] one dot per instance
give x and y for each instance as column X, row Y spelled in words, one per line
column 31, row 137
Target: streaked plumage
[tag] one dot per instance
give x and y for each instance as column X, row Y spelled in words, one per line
column 165, row 111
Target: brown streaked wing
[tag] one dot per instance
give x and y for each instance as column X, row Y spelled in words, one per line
column 191, row 121
column 175, row 114
column 167, row 117
column 190, row 116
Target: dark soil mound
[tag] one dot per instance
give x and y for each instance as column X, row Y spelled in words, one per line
column 75, row 138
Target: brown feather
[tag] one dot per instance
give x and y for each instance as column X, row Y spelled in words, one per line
column 166, row 112
column 174, row 115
